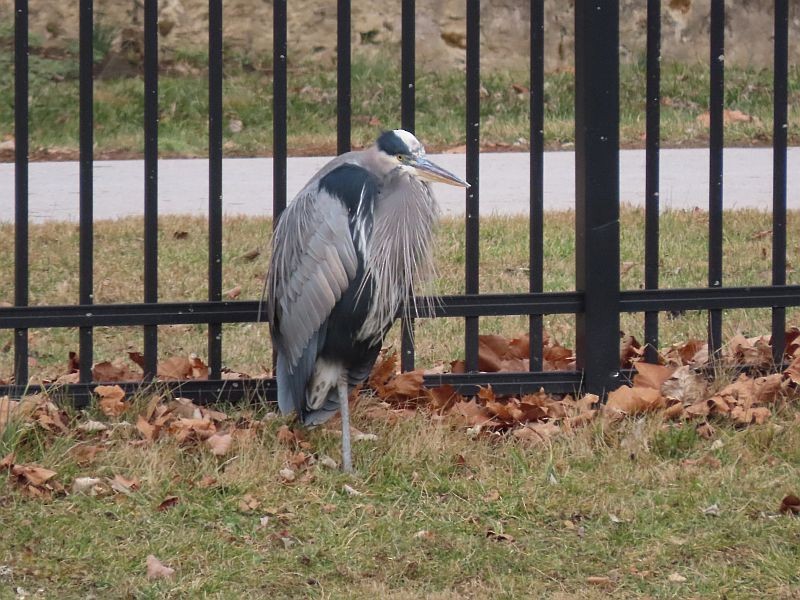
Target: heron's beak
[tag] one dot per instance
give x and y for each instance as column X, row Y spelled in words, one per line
column 427, row 170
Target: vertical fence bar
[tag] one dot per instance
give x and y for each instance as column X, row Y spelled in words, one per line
column 597, row 191
column 716, row 102
column 215, row 180
column 21, row 185
column 86, row 278
column 279, row 87
column 407, row 110
column 652, row 150
column 779, row 138
column 343, row 76
column 150, row 180
column 472, row 283
column 536, row 223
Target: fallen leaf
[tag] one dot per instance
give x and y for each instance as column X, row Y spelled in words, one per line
column 285, row 435
column 251, row 255
column 676, row 578
column 635, row 400
column 599, row 580
column 424, row 534
column 499, row 536
column 220, row 443
column 92, row 427
column 248, row 503
column 712, row 511
column 790, row 505
column 124, row 485
column 537, row 433
column 167, row 503
column 180, row 235
column 685, row 385
column 650, row 375
column 157, row 570
column 287, row 475
column 175, row 368
column 85, row 454
column 87, row 485
column 111, row 400
column 33, row 474
column 233, row 293
column 148, row 431
column 328, row 462
column 351, row 491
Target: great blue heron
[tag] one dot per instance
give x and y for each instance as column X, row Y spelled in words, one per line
column 346, row 254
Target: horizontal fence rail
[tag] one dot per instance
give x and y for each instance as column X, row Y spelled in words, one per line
column 597, row 300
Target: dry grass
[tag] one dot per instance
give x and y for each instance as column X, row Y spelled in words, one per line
column 610, row 501
column 504, row 251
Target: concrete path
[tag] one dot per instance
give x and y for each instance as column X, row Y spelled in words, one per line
column 247, row 183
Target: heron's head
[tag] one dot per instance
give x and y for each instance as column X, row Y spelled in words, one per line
column 399, row 149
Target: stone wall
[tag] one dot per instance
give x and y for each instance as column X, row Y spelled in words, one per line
column 440, row 28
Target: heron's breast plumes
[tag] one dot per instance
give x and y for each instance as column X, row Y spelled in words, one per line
column 400, row 259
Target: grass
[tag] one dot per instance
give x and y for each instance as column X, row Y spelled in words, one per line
column 183, row 101
column 610, row 501
column 504, row 259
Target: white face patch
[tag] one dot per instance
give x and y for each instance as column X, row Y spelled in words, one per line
column 409, row 140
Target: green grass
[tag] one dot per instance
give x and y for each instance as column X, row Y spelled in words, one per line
column 504, row 260
column 614, row 501
column 183, row 102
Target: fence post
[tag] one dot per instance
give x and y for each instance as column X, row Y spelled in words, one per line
column 597, row 191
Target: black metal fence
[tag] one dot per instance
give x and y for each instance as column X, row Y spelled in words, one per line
column 597, row 300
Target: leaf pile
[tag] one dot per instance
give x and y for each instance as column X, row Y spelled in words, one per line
column 678, row 389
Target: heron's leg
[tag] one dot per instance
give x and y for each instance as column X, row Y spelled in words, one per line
column 344, row 408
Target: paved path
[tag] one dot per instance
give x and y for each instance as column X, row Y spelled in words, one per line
column 247, row 183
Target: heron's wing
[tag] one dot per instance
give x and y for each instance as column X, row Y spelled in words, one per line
column 313, row 263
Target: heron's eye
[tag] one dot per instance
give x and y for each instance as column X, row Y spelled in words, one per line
column 400, row 157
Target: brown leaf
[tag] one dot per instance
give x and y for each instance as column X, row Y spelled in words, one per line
column 383, row 370
column 220, row 443
column 635, row 400
column 790, row 505
column 157, row 570
column 685, row 385
column 499, row 536
column 180, row 235
column 199, row 368
column 792, row 372
column 406, row 386
column 251, row 255
column 651, row 376
column 167, row 503
column 115, row 370
column 233, row 293
column 85, row 454
column 248, row 503
column 286, row 436
column 471, row 412
column 123, row 484
column 111, row 400
column 630, row 350
column 728, row 116
column 705, row 430
column 175, row 368
column 138, row 358
column 207, row 481
column 443, row 397
column 537, row 433
column 33, row 474
column 748, row 416
column 148, row 431
column 73, row 363
column 601, row 581
column 8, row 461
